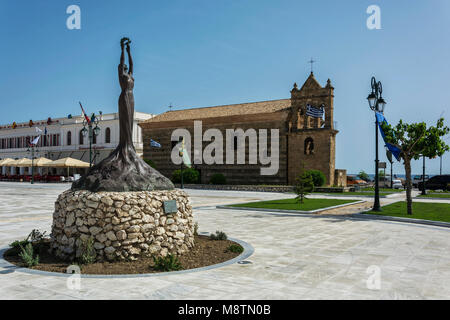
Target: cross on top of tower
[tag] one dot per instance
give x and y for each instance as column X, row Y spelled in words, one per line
column 311, row 62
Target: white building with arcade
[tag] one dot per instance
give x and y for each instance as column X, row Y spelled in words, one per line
column 63, row 137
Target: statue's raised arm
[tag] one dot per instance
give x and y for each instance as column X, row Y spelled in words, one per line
column 130, row 59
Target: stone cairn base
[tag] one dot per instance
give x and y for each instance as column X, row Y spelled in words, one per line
column 124, row 225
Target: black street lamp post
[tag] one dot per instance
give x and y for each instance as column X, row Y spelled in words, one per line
column 181, row 168
column 423, row 177
column 93, row 130
column 32, row 146
column 376, row 104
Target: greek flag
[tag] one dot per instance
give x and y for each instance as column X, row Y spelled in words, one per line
column 155, row 144
column 314, row 112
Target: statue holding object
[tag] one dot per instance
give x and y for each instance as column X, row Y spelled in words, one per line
column 123, row 170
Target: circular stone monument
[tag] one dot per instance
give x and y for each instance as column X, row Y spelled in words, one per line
column 122, row 206
column 123, row 225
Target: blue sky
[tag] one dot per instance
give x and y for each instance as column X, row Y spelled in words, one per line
column 202, row 53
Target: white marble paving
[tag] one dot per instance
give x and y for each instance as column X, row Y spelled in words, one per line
column 295, row 257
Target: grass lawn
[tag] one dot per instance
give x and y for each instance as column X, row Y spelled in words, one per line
column 292, row 204
column 436, row 195
column 386, row 190
column 421, row 210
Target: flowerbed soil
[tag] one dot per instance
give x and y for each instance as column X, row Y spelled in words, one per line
column 205, row 253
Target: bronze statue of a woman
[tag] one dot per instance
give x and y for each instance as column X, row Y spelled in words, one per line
column 123, row 169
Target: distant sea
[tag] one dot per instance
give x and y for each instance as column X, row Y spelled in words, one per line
column 403, row 176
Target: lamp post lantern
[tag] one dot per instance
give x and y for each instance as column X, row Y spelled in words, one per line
column 92, row 130
column 376, row 104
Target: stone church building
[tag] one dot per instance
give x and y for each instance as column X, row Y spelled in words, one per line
column 305, row 141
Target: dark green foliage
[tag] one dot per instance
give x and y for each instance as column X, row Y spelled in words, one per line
column 318, row 177
column 168, row 263
column 304, row 185
column 35, row 238
column 235, row 248
column 415, row 140
column 87, row 251
column 363, row 175
column 150, row 163
column 190, row 175
column 218, row 178
column 16, row 247
column 27, row 255
column 220, row 235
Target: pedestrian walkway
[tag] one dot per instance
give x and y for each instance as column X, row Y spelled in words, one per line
column 296, row 257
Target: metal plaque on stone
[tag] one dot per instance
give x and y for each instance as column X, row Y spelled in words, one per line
column 170, row 206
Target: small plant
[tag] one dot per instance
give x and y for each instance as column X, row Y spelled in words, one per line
column 235, row 248
column 35, row 238
column 168, row 263
column 220, row 235
column 27, row 256
column 16, row 246
column 190, row 175
column 304, row 185
column 218, row 178
column 196, row 229
column 87, row 251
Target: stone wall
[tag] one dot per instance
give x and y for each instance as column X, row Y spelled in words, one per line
column 124, row 225
column 235, row 173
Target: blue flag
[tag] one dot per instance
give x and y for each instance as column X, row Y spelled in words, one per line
column 393, row 149
column 155, row 144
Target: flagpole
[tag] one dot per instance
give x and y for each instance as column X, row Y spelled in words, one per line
column 32, row 164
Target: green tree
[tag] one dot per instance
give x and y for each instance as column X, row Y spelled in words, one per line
column 190, row 175
column 318, row 177
column 304, row 185
column 415, row 140
column 363, row 175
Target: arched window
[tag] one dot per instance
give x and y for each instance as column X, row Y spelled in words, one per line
column 69, row 138
column 309, row 146
column 81, row 139
column 108, row 135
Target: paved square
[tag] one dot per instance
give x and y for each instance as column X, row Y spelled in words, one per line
column 296, row 257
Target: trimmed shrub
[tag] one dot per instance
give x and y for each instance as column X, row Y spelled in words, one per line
column 220, row 235
column 190, row 175
column 235, row 248
column 218, row 178
column 318, row 177
column 168, row 263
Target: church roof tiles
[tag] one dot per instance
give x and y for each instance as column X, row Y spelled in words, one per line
column 223, row 111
